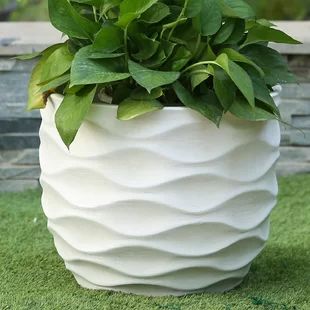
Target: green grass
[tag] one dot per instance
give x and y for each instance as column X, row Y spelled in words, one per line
column 32, row 276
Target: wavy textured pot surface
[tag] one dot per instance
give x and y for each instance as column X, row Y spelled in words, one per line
column 164, row 204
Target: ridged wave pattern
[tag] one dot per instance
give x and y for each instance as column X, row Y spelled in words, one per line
column 163, row 205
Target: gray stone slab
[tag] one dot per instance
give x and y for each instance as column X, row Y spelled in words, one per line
column 19, row 141
column 25, row 37
column 18, row 185
column 10, row 156
column 285, row 169
column 300, row 66
column 295, row 155
column 296, row 106
column 27, row 125
column 13, row 87
column 299, row 138
column 285, row 138
column 11, row 64
column 27, row 157
column 20, row 172
column 17, row 110
column 301, row 121
column 293, row 91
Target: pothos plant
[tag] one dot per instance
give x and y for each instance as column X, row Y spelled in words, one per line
column 208, row 55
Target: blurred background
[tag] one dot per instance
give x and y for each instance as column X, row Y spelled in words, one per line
column 36, row 10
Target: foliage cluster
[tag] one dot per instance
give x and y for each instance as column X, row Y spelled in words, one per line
column 210, row 55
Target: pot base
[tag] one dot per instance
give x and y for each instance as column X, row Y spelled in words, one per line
column 154, row 291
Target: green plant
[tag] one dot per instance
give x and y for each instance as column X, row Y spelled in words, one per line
column 209, row 55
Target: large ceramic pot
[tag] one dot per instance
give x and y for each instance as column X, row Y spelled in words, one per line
column 166, row 204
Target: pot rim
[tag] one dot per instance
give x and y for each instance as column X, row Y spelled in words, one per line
column 277, row 90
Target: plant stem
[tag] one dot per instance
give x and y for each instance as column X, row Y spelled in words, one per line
column 180, row 16
column 207, row 62
column 95, row 14
column 126, row 45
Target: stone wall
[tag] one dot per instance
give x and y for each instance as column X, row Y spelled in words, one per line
column 19, row 163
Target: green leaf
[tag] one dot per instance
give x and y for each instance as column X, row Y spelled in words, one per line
column 53, row 84
column 208, row 54
column 209, row 20
column 199, row 75
column 193, row 8
column 225, row 32
column 132, row 9
column 147, row 46
column 263, row 22
column 242, row 110
column 207, row 105
column 239, row 77
column 142, row 94
column 179, row 59
column 238, row 32
column 224, row 87
column 150, row 79
column 237, row 8
column 272, row 63
column 28, row 56
column 109, row 39
column 72, row 112
column 163, row 53
column 73, row 89
column 36, row 99
column 57, row 63
column 107, row 5
column 155, row 13
column 121, row 91
column 237, row 57
column 66, row 19
column 261, row 91
column 131, row 108
column 96, row 3
column 102, row 55
column 86, row 71
column 260, row 33
column 175, row 23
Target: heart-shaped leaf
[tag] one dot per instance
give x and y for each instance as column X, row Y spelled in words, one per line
column 71, row 113
column 150, row 79
column 132, row 108
column 260, row 33
column 207, row 105
column 66, row 19
column 239, row 76
column 209, row 20
column 132, row 9
column 86, row 71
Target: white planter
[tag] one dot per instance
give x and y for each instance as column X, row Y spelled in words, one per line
column 164, row 204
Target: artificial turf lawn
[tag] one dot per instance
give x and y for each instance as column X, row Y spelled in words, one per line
column 32, row 276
